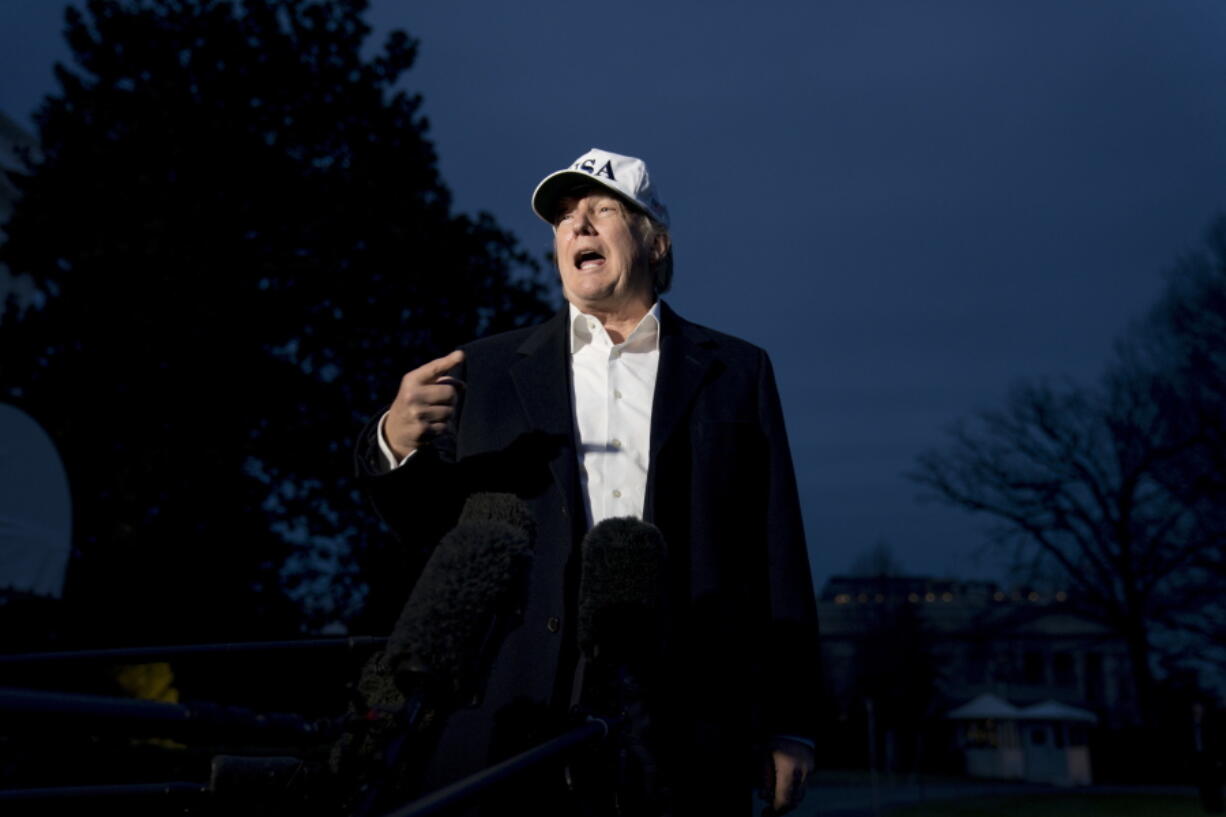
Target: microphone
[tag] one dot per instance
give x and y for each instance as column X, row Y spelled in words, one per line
column 620, row 629
column 469, row 594
column 469, row 591
column 621, row 604
column 506, row 508
column 621, row 590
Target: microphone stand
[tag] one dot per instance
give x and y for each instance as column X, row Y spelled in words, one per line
column 592, row 730
column 416, row 726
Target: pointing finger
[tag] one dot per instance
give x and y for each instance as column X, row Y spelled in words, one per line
column 437, row 368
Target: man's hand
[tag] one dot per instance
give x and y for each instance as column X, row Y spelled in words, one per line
column 423, row 406
column 786, row 768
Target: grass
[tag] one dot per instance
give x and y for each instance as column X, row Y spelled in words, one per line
column 1057, row 805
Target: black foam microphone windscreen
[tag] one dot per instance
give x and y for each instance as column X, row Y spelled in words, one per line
column 621, row 587
column 620, row 627
column 478, row 571
column 441, row 627
column 506, row 508
column 444, row 642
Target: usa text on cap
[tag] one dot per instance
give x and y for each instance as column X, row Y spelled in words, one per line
column 625, row 175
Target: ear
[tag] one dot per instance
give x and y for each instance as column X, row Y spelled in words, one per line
column 659, row 247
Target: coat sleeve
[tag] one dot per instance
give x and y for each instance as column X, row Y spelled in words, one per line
column 792, row 679
column 418, row 501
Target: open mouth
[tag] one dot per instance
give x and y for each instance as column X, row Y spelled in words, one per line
column 588, row 259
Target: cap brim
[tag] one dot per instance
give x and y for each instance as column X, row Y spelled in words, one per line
column 555, row 186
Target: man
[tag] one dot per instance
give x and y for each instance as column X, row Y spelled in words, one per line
column 620, row 407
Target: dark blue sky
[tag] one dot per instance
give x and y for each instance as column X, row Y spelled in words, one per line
column 909, row 205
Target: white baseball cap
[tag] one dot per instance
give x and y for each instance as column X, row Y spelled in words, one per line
column 625, row 175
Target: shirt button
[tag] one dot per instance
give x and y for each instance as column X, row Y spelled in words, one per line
column 553, row 624
column 617, row 443
column 617, row 395
column 617, row 494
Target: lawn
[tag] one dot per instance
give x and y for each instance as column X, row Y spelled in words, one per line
column 1057, row 805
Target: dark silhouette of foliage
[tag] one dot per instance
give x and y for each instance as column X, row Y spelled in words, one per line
column 244, row 242
column 1118, row 487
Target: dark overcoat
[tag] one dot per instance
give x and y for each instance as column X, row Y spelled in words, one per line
column 720, row 487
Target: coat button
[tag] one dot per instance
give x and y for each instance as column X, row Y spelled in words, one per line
column 553, row 624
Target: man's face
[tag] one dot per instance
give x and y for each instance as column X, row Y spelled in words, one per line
column 603, row 264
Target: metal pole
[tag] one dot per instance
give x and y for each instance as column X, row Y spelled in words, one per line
column 459, row 792
column 143, row 654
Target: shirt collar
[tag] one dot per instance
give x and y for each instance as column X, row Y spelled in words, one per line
column 585, row 329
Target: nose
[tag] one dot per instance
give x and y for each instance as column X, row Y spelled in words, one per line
column 580, row 223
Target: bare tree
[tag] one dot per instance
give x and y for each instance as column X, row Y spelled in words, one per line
column 1179, row 348
column 1116, row 487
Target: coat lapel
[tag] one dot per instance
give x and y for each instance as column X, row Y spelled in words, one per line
column 687, row 361
column 542, row 382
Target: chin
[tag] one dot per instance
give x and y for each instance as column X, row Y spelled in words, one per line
column 592, row 297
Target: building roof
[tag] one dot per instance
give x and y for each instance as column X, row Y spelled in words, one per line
column 852, row 606
column 1055, row 711
column 984, row 707
column 992, row 707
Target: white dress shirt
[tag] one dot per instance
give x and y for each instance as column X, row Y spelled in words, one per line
column 614, row 386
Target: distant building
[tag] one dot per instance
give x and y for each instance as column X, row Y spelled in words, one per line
column 1043, row 743
column 1021, row 645
column 961, row 639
